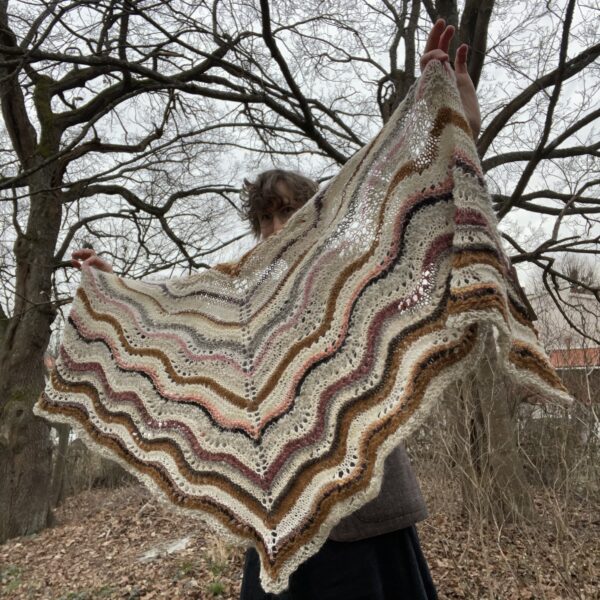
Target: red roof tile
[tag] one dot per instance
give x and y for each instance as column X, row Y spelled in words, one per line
column 575, row 357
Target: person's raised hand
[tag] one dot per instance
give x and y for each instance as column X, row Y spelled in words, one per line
column 437, row 47
column 88, row 257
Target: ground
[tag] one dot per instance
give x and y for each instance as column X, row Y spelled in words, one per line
column 94, row 552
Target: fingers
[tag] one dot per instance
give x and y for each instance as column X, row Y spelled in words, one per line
column 446, row 38
column 98, row 263
column 83, row 253
column 460, row 61
column 434, row 35
column 89, row 258
column 438, row 43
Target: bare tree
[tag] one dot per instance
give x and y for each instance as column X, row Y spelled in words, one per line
column 89, row 93
column 129, row 123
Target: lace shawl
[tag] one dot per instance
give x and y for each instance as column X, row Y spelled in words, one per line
column 263, row 397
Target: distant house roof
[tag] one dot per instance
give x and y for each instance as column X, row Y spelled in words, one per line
column 575, row 358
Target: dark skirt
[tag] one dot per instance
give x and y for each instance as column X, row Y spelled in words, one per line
column 386, row 567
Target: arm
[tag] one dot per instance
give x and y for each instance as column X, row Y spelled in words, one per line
column 437, row 47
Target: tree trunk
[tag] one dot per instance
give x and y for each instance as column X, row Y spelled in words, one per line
column 24, row 472
column 58, row 471
column 490, row 470
column 25, row 449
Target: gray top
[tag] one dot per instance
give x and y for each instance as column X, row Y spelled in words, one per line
column 398, row 505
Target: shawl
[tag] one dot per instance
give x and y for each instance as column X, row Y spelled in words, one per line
column 264, row 397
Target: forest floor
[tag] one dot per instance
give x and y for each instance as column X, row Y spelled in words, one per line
column 96, row 548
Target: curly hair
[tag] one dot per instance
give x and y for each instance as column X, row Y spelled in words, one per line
column 261, row 194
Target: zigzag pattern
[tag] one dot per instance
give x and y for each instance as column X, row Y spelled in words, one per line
column 264, row 396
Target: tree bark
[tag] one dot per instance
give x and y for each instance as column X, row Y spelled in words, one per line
column 25, row 448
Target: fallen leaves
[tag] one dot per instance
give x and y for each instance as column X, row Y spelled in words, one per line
column 94, row 552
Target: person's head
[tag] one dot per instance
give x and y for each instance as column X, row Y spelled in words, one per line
column 270, row 200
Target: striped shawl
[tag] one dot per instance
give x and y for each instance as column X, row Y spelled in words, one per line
column 265, row 397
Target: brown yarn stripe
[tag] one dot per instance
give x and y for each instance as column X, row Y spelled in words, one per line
column 206, row 504
column 273, row 378
column 221, row 513
column 374, row 438
column 466, row 258
column 224, row 484
column 528, row 359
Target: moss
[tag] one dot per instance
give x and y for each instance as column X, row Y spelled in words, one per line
column 10, row 577
column 216, row 588
column 185, row 569
column 20, row 395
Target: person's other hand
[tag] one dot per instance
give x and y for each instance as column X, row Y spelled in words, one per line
column 88, row 257
column 438, row 44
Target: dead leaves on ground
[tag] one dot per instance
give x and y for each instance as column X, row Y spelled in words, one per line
column 101, row 537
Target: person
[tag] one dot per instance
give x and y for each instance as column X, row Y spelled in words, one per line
column 373, row 553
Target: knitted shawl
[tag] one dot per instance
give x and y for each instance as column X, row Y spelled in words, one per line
column 265, row 396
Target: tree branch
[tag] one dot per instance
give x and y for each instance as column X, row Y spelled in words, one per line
column 549, row 152
column 16, row 120
column 308, row 124
column 571, row 68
